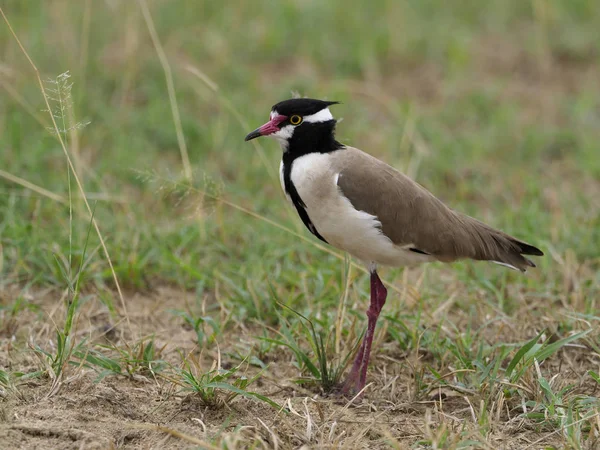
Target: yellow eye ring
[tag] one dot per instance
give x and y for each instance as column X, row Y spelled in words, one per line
column 295, row 120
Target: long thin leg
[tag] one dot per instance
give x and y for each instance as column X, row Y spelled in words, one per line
column 358, row 374
column 372, row 315
column 354, row 374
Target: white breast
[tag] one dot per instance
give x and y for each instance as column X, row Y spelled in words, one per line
column 334, row 217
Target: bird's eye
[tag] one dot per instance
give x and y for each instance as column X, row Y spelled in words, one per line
column 295, row 120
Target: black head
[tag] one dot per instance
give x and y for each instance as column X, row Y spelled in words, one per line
column 301, row 106
column 301, row 125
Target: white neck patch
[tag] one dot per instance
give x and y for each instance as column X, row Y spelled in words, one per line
column 283, row 135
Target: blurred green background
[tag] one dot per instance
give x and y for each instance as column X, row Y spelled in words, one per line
column 494, row 106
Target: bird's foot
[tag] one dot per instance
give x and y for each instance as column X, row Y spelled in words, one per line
column 352, row 388
column 355, row 382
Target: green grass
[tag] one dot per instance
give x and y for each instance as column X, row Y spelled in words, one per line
column 494, row 108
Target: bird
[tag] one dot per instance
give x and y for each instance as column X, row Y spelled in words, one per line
column 363, row 206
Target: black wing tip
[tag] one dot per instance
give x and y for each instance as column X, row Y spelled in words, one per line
column 416, row 250
column 529, row 262
column 527, row 249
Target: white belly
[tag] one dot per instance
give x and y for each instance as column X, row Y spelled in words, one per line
column 334, row 217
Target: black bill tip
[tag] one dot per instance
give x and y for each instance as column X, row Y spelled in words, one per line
column 253, row 135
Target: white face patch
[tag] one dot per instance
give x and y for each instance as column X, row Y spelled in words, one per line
column 283, row 135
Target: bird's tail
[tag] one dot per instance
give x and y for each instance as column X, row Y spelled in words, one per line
column 494, row 245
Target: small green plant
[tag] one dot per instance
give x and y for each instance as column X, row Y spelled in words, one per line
column 200, row 325
column 324, row 366
column 574, row 415
column 258, row 351
column 144, row 358
column 533, row 351
column 99, row 362
column 6, row 382
column 406, row 331
column 218, row 386
column 65, row 345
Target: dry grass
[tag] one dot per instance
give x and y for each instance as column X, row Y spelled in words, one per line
column 146, row 409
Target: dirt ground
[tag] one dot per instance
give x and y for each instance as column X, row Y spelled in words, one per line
column 151, row 413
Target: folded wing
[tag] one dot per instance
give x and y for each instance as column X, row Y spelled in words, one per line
column 412, row 217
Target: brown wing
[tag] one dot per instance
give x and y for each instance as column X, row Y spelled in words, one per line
column 411, row 216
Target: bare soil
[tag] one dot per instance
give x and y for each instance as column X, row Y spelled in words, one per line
column 150, row 413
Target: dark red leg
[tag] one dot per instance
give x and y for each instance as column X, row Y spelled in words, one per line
column 354, row 375
column 358, row 374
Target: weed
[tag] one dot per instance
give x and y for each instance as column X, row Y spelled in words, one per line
column 200, row 326
column 325, row 367
column 218, row 386
column 143, row 358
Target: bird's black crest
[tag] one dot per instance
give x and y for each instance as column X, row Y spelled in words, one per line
column 301, row 106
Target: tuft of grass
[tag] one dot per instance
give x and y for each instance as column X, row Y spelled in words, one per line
column 207, row 329
column 535, row 352
column 218, row 387
column 65, row 344
column 322, row 363
column 141, row 359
